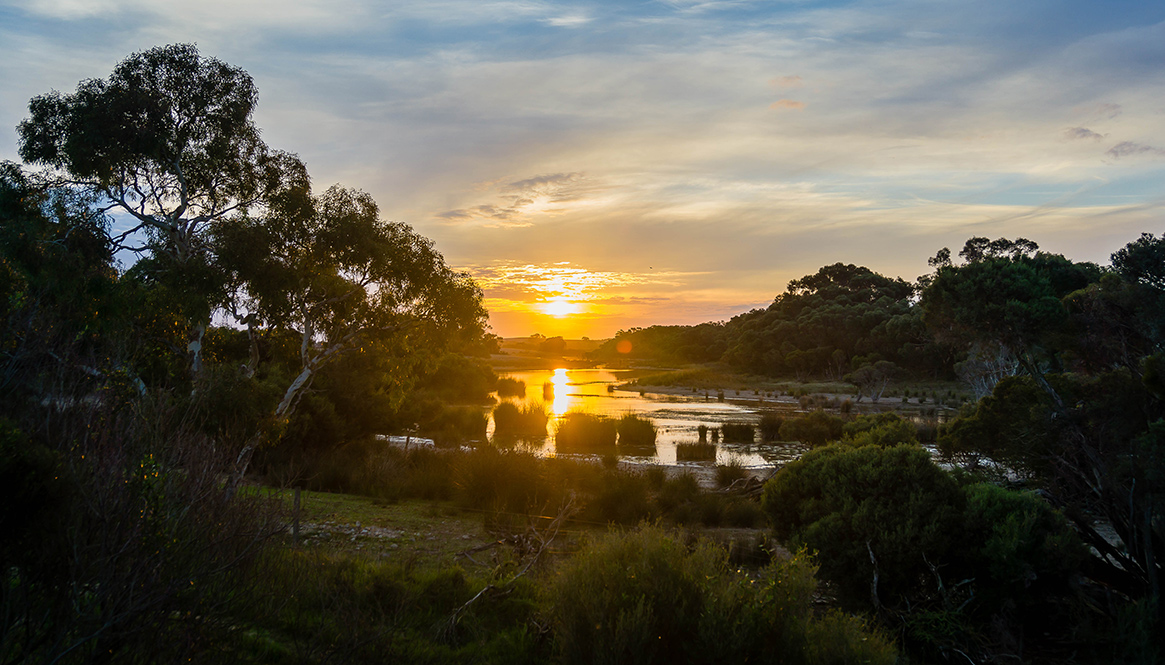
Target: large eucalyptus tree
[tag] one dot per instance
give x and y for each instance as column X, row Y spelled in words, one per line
column 168, row 141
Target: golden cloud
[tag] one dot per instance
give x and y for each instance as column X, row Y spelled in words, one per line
column 787, row 104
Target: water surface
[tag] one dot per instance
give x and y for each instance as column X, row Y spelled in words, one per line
column 676, row 417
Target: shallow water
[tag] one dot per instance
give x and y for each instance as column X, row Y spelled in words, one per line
column 676, row 417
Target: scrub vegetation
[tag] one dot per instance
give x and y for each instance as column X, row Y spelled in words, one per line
column 265, row 441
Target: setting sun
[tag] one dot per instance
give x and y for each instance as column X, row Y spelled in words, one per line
column 561, row 307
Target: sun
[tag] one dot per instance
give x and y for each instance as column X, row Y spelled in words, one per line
column 560, row 307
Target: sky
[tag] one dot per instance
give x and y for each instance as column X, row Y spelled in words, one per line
column 598, row 166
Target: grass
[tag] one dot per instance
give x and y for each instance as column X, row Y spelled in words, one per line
column 738, row 432
column 585, row 432
column 432, row 532
column 509, row 387
column 635, row 431
column 689, row 452
column 513, row 420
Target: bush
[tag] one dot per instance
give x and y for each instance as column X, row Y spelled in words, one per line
column 738, row 432
column 584, row 432
column 643, row 597
column 844, row 502
column 726, row 474
column 690, row 452
column 953, row 563
column 508, row 387
column 635, row 431
column 455, row 425
column 884, row 429
column 770, row 427
column 815, row 429
column 528, row 420
column 503, row 481
column 619, row 498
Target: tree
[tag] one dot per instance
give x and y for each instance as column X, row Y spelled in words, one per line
column 167, row 139
column 330, row 270
column 1004, row 297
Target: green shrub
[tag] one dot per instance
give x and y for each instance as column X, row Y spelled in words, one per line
column 845, row 502
column 643, row 597
column 688, row 452
column 619, row 498
column 770, row 426
column 726, row 474
column 509, row 387
column 738, row 432
column 585, row 432
column 635, row 431
column 456, row 425
column 815, row 429
column 527, row 420
column 883, row 429
column 502, row 481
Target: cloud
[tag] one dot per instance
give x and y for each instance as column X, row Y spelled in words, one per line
column 1130, row 148
column 1082, row 133
column 787, row 104
column 568, row 21
column 518, row 202
column 792, row 81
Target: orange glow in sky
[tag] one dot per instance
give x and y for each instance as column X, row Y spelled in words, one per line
column 561, row 298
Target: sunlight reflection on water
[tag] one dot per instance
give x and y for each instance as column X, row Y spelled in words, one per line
column 676, row 417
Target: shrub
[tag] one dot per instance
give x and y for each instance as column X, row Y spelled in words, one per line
column 528, row 420
column 738, row 432
column 455, row 425
column 845, row 503
column 635, row 431
column 815, row 429
column 502, row 481
column 726, row 474
column 620, row 498
column 643, row 597
column 688, row 452
column 883, row 429
column 584, row 432
column 510, row 387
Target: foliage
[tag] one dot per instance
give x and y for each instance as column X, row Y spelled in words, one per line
column 584, row 432
column 738, row 432
column 635, row 431
column 842, row 316
column 884, row 430
column 688, row 452
column 770, row 426
column 726, row 474
column 360, row 609
column 509, row 387
column 141, row 548
column 644, row 597
column 700, row 343
column 513, row 420
column 963, row 568
column 848, row 502
column 815, row 429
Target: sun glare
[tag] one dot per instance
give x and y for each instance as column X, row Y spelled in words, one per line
column 561, row 307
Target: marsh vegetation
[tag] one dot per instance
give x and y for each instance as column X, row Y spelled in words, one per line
column 266, row 440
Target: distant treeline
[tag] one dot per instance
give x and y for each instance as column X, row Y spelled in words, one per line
column 843, row 318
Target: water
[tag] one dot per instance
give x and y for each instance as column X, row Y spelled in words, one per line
column 676, row 417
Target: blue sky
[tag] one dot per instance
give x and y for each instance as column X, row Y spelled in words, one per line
column 676, row 162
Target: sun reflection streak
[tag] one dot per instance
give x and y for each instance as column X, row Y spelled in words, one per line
column 561, row 400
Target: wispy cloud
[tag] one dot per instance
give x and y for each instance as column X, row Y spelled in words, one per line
column 740, row 144
column 521, row 202
column 787, row 104
column 1130, row 148
column 1082, row 133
